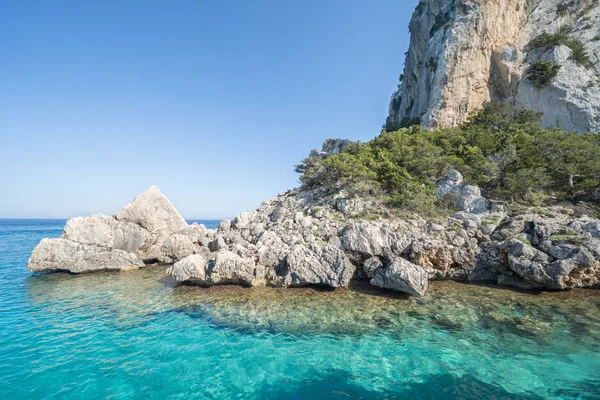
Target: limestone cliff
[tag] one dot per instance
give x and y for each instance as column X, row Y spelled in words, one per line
column 464, row 53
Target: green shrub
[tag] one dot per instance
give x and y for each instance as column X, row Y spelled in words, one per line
column 579, row 53
column 501, row 148
column 541, row 73
column 546, row 41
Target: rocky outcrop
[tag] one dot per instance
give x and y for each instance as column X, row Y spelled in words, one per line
column 148, row 229
column 330, row 147
column 153, row 212
column 66, row 255
column 403, row 276
column 304, row 237
column 551, row 250
column 465, row 197
column 464, row 53
column 316, row 237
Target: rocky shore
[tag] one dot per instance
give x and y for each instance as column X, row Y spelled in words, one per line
column 323, row 237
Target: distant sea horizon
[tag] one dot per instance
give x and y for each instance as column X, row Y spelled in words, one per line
column 188, row 220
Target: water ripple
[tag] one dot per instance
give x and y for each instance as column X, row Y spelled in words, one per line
column 136, row 335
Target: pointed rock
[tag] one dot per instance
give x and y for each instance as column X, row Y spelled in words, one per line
column 141, row 231
column 153, row 211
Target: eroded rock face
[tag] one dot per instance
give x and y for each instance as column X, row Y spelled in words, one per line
column 152, row 211
column 147, row 229
column 330, row 146
column 66, row 255
column 313, row 237
column 464, row 53
column 403, row 276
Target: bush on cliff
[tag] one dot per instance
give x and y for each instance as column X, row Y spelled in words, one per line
column 542, row 73
column 502, row 149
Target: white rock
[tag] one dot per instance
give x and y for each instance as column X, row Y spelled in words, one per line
column 153, row 211
column 104, row 231
column 66, row 255
column 403, row 276
column 190, row 269
column 136, row 234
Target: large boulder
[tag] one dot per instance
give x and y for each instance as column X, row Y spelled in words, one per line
column 66, row 255
column 224, row 268
column 403, row 276
column 466, row 197
column 325, row 266
column 152, row 211
column 147, row 229
column 104, row 231
column 190, row 269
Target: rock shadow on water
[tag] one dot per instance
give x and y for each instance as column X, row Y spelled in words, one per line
column 343, row 386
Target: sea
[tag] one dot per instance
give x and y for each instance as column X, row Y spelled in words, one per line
column 138, row 335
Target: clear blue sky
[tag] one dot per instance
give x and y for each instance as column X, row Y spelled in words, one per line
column 212, row 101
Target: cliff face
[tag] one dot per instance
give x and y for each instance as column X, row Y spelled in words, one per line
column 464, row 53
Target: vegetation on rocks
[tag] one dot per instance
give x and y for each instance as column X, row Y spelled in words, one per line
column 541, row 73
column 502, row 149
column 546, row 41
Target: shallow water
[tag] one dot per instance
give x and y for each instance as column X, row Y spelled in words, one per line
column 135, row 335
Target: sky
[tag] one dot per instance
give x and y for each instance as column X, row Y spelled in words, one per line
column 212, row 101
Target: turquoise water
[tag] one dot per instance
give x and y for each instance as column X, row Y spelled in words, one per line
column 134, row 335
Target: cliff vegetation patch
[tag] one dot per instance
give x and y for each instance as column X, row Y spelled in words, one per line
column 546, row 41
column 542, row 73
column 502, row 149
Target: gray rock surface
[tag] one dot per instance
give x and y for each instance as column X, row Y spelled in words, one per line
column 315, row 237
column 466, row 197
column 330, row 147
column 66, row 255
column 152, row 211
column 147, row 229
column 403, row 276
column 189, row 269
column 465, row 53
column 103, row 231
